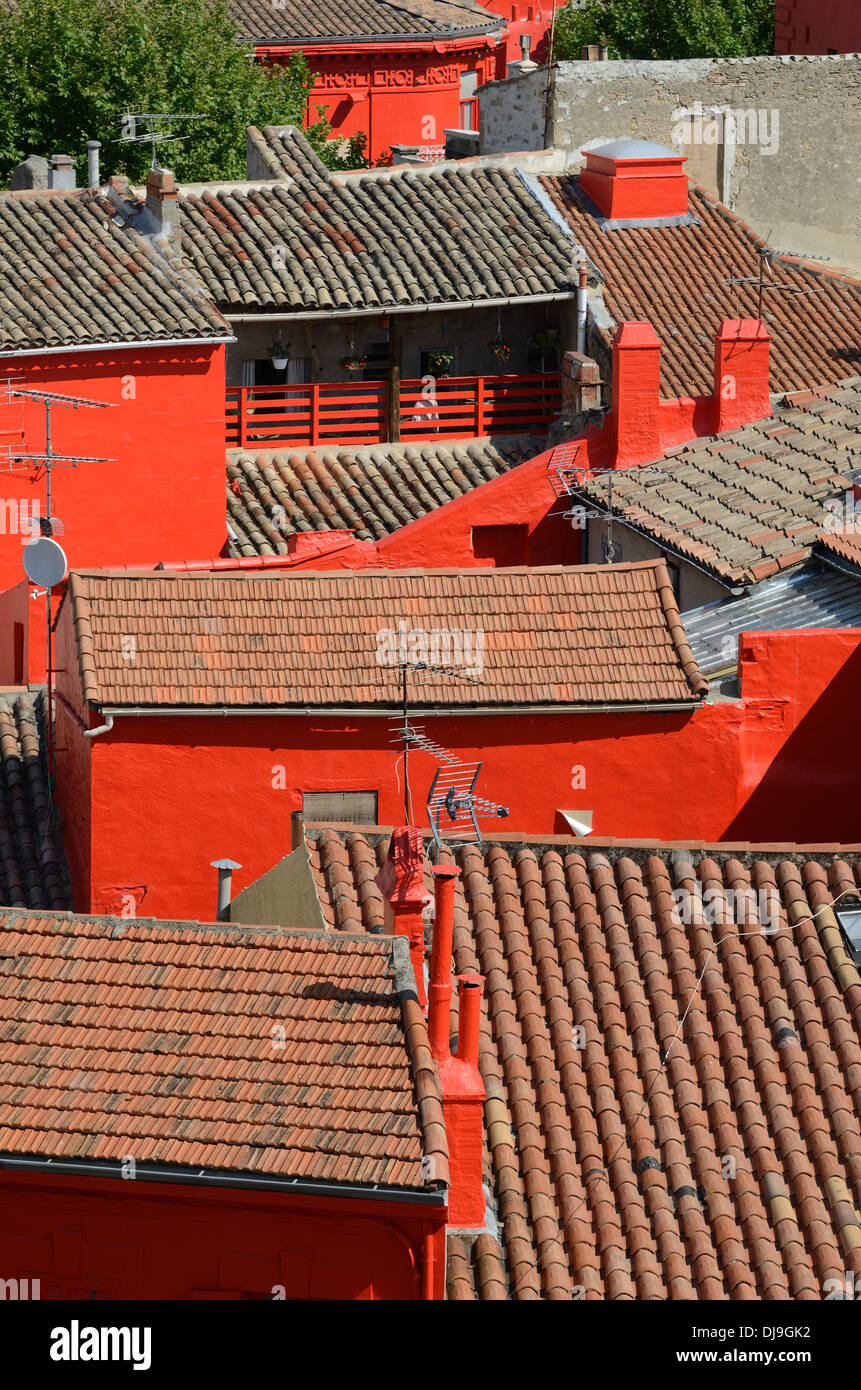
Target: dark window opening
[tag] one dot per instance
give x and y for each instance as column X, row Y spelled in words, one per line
column 501, row 546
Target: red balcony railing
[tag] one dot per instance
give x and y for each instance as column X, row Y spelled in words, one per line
column 356, row 412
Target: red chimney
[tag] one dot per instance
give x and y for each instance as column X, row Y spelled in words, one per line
column 635, row 417
column 741, row 374
column 463, row 1091
column 402, row 884
column 636, row 180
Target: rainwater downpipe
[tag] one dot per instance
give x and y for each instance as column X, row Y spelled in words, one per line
column 581, row 308
column 101, row 729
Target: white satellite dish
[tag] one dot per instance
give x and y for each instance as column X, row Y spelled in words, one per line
column 45, row 562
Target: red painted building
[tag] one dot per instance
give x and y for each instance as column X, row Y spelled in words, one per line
column 399, row 74
column 209, row 1170
column 129, row 331
column 817, row 26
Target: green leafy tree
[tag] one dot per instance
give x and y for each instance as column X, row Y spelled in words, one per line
column 668, row 28
column 68, row 68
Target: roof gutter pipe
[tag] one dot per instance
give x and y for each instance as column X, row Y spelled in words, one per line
column 386, row 310
column 101, row 729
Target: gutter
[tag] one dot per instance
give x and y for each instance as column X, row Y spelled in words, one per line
column 385, row 711
column 113, row 347
column 387, row 310
column 204, row 1177
column 396, row 41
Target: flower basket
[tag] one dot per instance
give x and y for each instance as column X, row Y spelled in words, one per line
column 546, row 341
column 354, row 362
column 279, row 353
column 500, row 349
column 440, row 363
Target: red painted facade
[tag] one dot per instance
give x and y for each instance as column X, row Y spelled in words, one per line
column 149, row 805
column 409, row 92
column 108, row 1238
column 817, row 26
column 162, row 491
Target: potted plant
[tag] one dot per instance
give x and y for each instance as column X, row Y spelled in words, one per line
column 500, row 348
column 353, row 362
column 280, row 354
column 440, row 362
column 546, row 341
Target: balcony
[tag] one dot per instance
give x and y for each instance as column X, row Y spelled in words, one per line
column 357, row 412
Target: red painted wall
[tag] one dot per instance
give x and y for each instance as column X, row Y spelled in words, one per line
column 817, row 26
column 404, row 93
column 162, row 493
column 170, row 794
column 111, row 1238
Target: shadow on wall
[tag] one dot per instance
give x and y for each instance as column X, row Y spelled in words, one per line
column 810, row 791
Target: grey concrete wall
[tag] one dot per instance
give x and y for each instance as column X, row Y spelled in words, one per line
column 695, row 587
column 807, row 191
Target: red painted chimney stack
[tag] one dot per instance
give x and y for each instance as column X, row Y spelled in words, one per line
column 402, row 884
column 439, row 991
column 636, row 181
column 741, row 374
column 635, row 417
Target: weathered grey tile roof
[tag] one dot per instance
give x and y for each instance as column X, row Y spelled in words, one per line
column 33, row 869
column 273, row 493
column 310, row 241
column 747, row 504
column 676, row 277
column 70, row 276
column 264, row 21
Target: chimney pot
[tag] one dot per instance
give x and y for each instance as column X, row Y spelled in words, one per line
column 297, row 829
column 401, row 882
column 93, row 147
column 162, row 201
column 225, row 869
column 469, row 990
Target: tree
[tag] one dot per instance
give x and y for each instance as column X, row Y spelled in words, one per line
column 660, row 29
column 68, row 68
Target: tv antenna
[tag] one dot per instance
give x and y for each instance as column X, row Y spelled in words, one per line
column 452, row 792
column 131, row 134
column 44, row 560
column 766, row 255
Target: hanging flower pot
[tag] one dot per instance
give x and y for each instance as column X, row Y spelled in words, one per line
column 353, row 362
column 279, row 352
column 440, row 363
column 500, row 348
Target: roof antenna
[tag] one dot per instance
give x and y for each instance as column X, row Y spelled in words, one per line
column 131, row 135
column 44, row 560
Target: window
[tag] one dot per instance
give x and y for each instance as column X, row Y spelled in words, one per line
column 468, row 101
column 500, row 546
column 848, row 914
column 358, row 808
column 377, row 358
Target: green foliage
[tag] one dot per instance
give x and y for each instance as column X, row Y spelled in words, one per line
column 660, row 29
column 68, row 68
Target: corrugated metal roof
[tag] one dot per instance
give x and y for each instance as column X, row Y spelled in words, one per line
column 808, row 597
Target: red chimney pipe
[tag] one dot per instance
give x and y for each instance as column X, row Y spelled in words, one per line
column 469, row 989
column 439, row 990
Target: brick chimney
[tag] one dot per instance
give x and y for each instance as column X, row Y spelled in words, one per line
column 741, row 373
column 463, row 1092
column 635, row 415
column 402, row 884
column 162, row 202
column 636, row 180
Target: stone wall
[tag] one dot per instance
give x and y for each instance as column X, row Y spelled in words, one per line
column 793, row 170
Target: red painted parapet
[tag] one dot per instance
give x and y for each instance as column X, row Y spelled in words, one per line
column 741, row 373
column 401, row 882
column 463, row 1091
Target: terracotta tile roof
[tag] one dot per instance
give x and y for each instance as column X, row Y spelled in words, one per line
column 584, row 635
column 69, row 276
column 840, row 546
column 156, row 1040
column 317, row 242
column 628, row 1058
column 371, row 490
column 33, row 870
column 675, row 277
column 263, row 21
column 749, row 503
